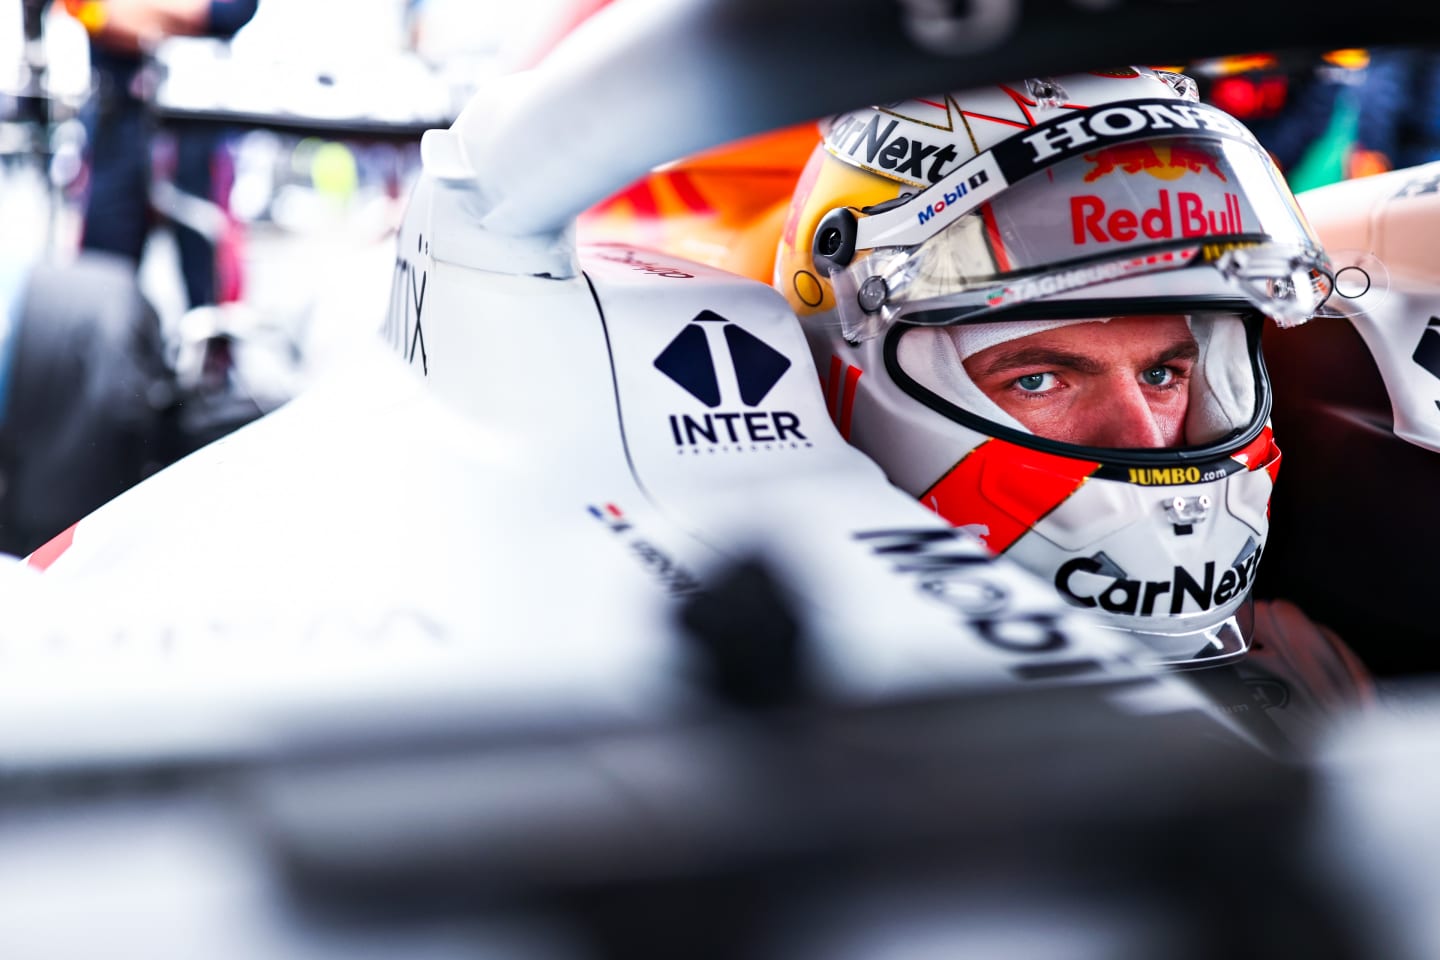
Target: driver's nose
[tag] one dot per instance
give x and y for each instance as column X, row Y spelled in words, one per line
column 1127, row 420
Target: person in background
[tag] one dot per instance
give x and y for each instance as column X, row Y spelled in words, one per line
column 117, row 211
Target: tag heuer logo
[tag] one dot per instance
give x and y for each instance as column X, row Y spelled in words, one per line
column 689, row 362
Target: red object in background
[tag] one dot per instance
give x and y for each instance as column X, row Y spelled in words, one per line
column 577, row 13
column 230, row 245
column 230, row 263
column 1250, row 98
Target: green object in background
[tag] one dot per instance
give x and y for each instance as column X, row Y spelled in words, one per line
column 1325, row 161
column 333, row 171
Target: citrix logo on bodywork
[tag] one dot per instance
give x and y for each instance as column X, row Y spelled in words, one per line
column 689, row 361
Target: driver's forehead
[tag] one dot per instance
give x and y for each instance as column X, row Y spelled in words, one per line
column 1138, row 329
column 1138, row 337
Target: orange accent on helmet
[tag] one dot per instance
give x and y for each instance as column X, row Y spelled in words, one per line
column 1006, row 489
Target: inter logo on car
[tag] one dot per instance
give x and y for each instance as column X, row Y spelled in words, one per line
column 689, row 361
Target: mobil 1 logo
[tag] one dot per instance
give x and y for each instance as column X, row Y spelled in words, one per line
column 731, row 372
column 954, row 571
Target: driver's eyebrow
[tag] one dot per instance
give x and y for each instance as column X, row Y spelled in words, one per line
column 1050, row 358
column 1181, row 350
column 1046, row 357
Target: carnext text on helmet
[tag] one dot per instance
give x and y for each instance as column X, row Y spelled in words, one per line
column 1113, row 123
column 906, row 157
column 1127, row 596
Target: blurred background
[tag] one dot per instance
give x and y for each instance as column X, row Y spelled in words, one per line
column 207, row 201
column 316, row 108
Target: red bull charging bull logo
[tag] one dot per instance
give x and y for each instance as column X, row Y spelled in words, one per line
column 1160, row 161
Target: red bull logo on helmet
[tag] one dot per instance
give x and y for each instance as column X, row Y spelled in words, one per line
column 1162, row 161
column 1180, row 214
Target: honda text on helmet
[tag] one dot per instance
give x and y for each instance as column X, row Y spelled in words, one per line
column 1038, row 307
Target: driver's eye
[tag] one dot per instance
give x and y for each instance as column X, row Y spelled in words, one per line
column 1157, row 376
column 1032, row 381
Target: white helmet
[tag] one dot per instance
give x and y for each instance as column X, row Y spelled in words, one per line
column 970, row 267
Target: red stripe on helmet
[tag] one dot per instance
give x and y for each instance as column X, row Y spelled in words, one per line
column 847, row 406
column 1024, row 103
column 832, row 390
column 997, row 243
column 985, row 116
column 1001, row 490
column 1262, row 453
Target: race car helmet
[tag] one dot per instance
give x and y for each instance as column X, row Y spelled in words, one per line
column 961, row 261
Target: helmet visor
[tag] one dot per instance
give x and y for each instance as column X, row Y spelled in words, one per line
column 1140, row 382
column 1201, row 215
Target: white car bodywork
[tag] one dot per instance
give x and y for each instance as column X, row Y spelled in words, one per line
column 1381, row 232
column 505, row 532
